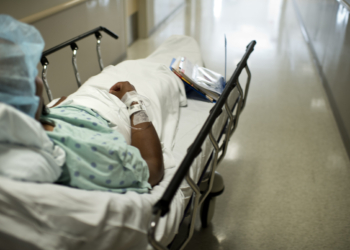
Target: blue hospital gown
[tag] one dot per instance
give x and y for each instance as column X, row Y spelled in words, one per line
column 97, row 157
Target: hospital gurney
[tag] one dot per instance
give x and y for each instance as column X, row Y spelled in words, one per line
column 222, row 121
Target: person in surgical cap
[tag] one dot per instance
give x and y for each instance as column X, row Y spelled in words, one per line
column 21, row 46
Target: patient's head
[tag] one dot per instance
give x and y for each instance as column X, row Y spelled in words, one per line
column 21, row 46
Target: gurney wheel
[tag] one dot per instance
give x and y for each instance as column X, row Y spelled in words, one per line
column 207, row 210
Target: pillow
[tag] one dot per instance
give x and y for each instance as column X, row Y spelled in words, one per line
column 26, row 152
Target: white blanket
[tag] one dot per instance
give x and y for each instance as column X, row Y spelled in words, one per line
column 56, row 217
column 26, row 152
column 153, row 80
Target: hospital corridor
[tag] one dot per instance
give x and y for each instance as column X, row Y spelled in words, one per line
column 286, row 172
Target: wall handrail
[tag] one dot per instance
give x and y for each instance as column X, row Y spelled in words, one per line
column 51, row 11
column 344, row 3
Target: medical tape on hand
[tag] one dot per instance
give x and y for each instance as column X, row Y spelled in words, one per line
column 130, row 97
column 134, row 108
column 140, row 117
column 140, row 114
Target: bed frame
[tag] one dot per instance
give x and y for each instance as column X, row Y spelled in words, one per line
column 202, row 190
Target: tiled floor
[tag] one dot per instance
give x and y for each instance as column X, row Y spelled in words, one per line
column 287, row 175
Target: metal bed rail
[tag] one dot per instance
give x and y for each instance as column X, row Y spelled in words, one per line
column 161, row 208
column 74, row 47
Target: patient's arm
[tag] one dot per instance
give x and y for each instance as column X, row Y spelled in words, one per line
column 59, row 101
column 146, row 140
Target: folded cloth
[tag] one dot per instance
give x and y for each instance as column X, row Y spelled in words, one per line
column 26, row 152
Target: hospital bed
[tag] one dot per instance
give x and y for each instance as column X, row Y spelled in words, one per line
column 194, row 141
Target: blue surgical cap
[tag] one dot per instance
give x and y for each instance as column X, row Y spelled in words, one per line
column 21, row 46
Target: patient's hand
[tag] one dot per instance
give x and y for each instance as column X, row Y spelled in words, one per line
column 120, row 88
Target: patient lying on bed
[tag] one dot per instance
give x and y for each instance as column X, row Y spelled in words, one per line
column 97, row 156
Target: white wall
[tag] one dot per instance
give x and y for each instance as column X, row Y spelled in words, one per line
column 153, row 12
column 328, row 27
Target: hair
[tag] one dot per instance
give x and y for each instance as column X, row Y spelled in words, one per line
column 45, row 110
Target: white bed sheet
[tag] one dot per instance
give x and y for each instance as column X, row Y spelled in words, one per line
column 56, row 217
